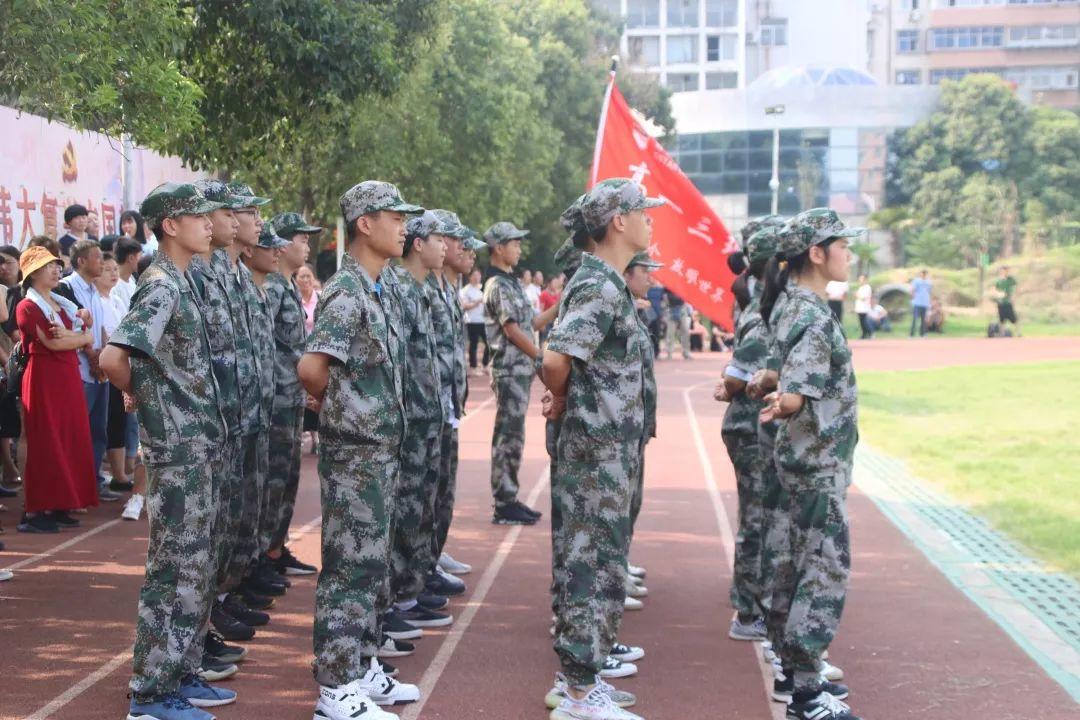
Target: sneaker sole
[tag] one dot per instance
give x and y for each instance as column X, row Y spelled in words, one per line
column 634, row 607
column 780, row 697
column 455, row 571
column 202, row 703
column 215, row 675
column 405, row 635
column 637, row 593
column 442, row 622
column 620, row 673
column 552, row 700
column 501, row 521
column 394, row 653
column 129, row 518
column 297, row 571
column 629, row 657
column 388, row 702
column 749, row 638
column 230, row 658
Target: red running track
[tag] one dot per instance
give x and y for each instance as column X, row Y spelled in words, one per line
column 912, row 645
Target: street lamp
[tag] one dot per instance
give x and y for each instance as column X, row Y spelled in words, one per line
column 774, row 181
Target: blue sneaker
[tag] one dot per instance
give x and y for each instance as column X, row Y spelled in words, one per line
column 200, row 694
column 171, row 707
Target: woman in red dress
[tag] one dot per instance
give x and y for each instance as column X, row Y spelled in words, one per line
column 59, row 475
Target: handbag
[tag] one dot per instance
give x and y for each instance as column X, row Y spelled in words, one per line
column 16, row 366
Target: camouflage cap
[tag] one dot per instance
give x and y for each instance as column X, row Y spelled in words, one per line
column 472, row 240
column 269, row 239
column 571, row 219
column 174, row 199
column 290, row 223
column 643, row 259
column 812, row 227
column 568, row 255
column 371, row 196
column 763, row 244
column 247, row 195
column 218, row 191
column 503, row 232
column 452, row 225
column 614, row 196
column 421, row 226
column 756, row 224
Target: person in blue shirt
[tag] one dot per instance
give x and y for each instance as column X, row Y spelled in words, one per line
column 920, row 302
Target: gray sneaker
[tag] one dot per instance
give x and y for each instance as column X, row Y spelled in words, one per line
column 107, row 495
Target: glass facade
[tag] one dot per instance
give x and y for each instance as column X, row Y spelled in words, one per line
column 843, row 168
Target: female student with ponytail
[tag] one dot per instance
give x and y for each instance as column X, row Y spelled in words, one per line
column 815, row 403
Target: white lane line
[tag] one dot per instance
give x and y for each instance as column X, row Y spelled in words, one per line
column 442, row 658
column 477, row 410
column 727, row 537
column 82, row 686
column 63, row 546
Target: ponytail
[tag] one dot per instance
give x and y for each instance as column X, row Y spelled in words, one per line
column 776, row 277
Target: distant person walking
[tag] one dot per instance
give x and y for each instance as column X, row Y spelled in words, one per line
column 1006, row 286
column 836, row 292
column 920, row 302
column 864, row 305
column 678, row 325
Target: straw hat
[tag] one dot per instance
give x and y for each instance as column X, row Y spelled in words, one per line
column 35, row 258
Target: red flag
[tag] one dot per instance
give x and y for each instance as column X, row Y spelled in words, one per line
column 688, row 236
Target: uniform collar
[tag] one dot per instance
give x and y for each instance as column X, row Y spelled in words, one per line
column 591, row 261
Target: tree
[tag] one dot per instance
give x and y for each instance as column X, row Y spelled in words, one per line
column 864, row 251
column 898, row 222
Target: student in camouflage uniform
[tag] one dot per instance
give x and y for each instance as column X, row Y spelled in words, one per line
column 352, row 365
column 816, row 404
column 594, row 367
column 287, row 416
column 160, row 354
column 414, row 502
column 508, row 321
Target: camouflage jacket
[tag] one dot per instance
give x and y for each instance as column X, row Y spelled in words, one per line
column 749, row 356
column 819, row 440
column 423, row 391
column 171, row 376
column 288, row 314
column 211, row 292
column 262, row 336
column 354, row 325
column 238, row 288
column 767, row 431
column 605, row 400
column 649, row 371
column 504, row 300
column 449, row 322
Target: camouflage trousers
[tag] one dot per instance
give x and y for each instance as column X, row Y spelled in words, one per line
column 282, row 478
column 446, row 491
column 228, row 470
column 747, row 581
column 589, row 561
column 248, row 500
column 820, row 566
column 558, row 575
column 413, row 524
column 776, row 567
column 357, row 484
column 508, row 438
column 178, row 588
column 637, row 490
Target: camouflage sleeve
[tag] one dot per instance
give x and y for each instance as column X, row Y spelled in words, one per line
column 274, row 293
column 807, row 365
column 141, row 329
column 585, row 318
column 751, row 352
column 501, row 305
column 336, row 321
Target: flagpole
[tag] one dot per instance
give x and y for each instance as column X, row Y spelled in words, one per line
column 603, row 121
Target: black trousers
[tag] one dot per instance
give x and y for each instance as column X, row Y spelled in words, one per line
column 476, row 336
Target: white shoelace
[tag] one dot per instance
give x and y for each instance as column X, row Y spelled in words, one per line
column 831, row 703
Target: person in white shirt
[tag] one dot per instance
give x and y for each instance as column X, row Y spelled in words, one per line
column 836, row 291
column 127, row 252
column 864, row 299
column 472, row 302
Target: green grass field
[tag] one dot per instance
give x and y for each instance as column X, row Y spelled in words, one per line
column 965, row 326
column 1000, row 439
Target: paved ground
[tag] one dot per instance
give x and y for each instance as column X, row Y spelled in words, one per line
column 912, row 645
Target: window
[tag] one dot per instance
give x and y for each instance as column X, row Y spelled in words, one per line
column 682, row 82
column 682, row 49
column 1043, row 36
column 642, row 13
column 910, row 4
column 721, row 80
column 644, row 50
column 774, row 32
column 908, row 77
column 966, row 38
column 611, row 7
column 721, row 13
column 682, row 13
column 936, row 76
column 720, row 47
column 907, row 41
column 1045, row 78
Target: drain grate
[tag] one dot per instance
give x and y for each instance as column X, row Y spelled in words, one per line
column 1054, row 597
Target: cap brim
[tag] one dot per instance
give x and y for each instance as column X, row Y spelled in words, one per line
column 252, row 201
column 405, row 208
column 651, row 203
column 850, row 232
column 311, row 229
column 651, row 265
column 202, row 209
column 472, row 243
column 519, row 235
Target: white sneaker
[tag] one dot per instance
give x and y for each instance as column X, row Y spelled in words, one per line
column 348, row 702
column 385, row 690
column 830, row 672
column 620, row 697
column 632, row 604
column 636, row 570
column 396, row 648
column 452, row 566
column 6, row 575
column 133, row 507
column 634, row 590
column 617, row 669
column 597, row 705
column 626, row 653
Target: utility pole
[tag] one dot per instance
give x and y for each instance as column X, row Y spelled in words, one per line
column 774, row 181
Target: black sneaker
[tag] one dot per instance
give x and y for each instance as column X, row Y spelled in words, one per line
column 254, row 600
column 38, row 523
column 236, row 607
column 513, row 514
column 217, row 649
column 419, row 616
column 395, row 627
column 257, row 585
column 432, row 601
column 211, row 669
column 64, row 520
column 121, row 485
column 7, row 492
column 230, row 628
column 782, row 687
column 388, row 669
column 396, row 648
column 287, row 564
column 266, row 570
column 823, row 707
column 528, row 510
column 437, row 583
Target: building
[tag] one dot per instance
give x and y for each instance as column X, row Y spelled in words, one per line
column 1035, row 44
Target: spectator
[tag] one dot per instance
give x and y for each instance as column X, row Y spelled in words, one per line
column 1006, row 286
column 76, row 218
column 93, row 227
column 879, row 319
column 864, row 297
column 128, row 253
column 532, row 290
column 113, row 309
column 50, row 244
column 86, row 260
column 836, row 291
column 935, row 316
column 655, row 295
column 472, row 303
column 59, row 469
column 108, row 243
column 10, row 424
column 678, row 325
column 920, row 302
column 309, row 298
column 549, row 298
column 133, row 226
